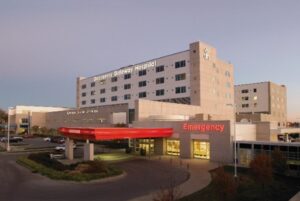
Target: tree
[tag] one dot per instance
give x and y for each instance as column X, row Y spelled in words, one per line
column 3, row 116
column 171, row 193
column 225, row 184
column 261, row 168
column 35, row 129
column 44, row 130
column 279, row 162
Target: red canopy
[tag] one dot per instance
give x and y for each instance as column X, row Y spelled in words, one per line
column 115, row 133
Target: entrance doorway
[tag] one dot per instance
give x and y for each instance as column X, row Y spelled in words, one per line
column 145, row 146
column 201, row 149
column 173, row 147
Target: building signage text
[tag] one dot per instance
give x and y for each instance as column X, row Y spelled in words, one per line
column 82, row 112
column 204, row 127
column 127, row 70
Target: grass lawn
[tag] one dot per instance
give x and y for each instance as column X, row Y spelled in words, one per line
column 113, row 157
column 282, row 188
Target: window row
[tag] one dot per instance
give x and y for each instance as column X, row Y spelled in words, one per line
column 160, row 92
column 245, row 91
column 161, row 68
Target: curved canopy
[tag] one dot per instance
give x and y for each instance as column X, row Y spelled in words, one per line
column 115, row 133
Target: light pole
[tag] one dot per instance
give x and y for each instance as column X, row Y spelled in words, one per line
column 234, row 136
column 8, row 130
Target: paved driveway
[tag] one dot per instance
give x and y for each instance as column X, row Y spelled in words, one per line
column 143, row 177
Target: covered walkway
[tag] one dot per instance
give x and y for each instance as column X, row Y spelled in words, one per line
column 98, row 134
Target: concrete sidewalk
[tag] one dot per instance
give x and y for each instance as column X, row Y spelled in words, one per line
column 199, row 175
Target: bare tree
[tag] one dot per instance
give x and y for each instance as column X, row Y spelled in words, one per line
column 261, row 167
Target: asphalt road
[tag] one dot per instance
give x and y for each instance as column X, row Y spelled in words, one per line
column 143, row 177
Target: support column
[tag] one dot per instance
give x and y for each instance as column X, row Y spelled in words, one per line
column 88, row 153
column 69, row 151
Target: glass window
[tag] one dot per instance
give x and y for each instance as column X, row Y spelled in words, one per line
column 160, row 92
column 142, row 83
column 93, row 93
column 102, row 91
column 114, row 98
column 127, row 96
column 93, row 101
column 227, row 73
column 115, row 88
column 160, row 68
column 180, row 77
column 160, row 80
column 245, row 105
column 83, row 94
column 245, row 98
column 173, row 147
column 142, row 72
column 83, row 86
column 127, row 86
column 102, row 100
column 114, row 79
column 180, row 64
column 127, row 76
column 201, row 149
column 244, row 91
column 93, row 84
column 179, row 90
column 83, row 102
column 142, row 94
column 254, row 90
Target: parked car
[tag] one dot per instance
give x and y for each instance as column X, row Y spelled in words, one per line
column 63, row 147
column 12, row 139
column 17, row 139
column 57, row 139
column 47, row 139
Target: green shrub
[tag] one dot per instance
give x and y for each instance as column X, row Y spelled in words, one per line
column 44, row 159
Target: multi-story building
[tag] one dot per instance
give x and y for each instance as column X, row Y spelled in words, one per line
column 259, row 102
column 195, row 76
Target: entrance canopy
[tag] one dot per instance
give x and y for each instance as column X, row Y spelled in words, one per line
column 99, row 134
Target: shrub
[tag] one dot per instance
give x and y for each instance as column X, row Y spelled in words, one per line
column 96, row 166
column 44, row 159
column 261, row 168
column 279, row 162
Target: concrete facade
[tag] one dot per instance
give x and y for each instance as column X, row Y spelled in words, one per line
column 264, row 101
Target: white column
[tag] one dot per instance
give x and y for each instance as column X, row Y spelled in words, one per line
column 88, row 152
column 69, row 151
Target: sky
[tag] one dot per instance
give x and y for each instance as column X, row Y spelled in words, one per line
column 45, row 45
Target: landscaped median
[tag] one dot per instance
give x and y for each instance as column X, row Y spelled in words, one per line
column 84, row 171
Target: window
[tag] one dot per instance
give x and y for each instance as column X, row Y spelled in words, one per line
column 142, row 94
column 180, row 77
column 83, row 102
column 255, row 98
column 160, row 69
column 228, row 85
column 127, row 86
column 114, row 98
column 114, row 79
column 127, row 96
column 102, row 91
column 93, row 84
column 93, row 101
column 83, row 86
column 102, row 100
column 142, row 83
column 255, row 104
column 245, row 98
column 142, row 72
column 102, row 82
column 179, row 90
column 180, row 64
column 254, row 90
column 160, row 92
column 245, row 105
column 93, row 93
column 244, row 91
column 160, row 80
column 227, row 73
column 127, row 76
column 115, row 88
column 83, row 94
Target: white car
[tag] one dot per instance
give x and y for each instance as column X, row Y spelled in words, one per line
column 47, row 139
column 63, row 147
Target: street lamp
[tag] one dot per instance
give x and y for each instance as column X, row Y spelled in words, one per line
column 8, row 129
column 234, row 134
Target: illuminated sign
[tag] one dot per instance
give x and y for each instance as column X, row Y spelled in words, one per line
column 127, row 70
column 203, row 127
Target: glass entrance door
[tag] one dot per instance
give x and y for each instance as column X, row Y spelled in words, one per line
column 201, row 149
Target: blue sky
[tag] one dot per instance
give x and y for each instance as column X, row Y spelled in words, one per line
column 45, row 45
